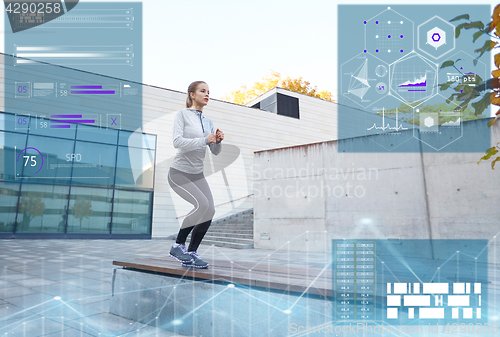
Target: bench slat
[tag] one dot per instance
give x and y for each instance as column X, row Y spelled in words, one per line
column 273, row 277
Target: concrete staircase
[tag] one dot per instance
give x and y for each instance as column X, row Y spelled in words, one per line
column 234, row 231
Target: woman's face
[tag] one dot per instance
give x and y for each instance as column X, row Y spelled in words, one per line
column 201, row 96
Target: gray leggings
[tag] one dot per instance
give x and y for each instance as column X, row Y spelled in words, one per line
column 194, row 189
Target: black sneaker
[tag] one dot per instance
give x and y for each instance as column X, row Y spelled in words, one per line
column 197, row 263
column 179, row 252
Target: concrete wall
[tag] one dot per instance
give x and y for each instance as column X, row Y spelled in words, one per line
column 312, row 193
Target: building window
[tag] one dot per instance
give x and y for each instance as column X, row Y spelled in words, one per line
column 93, row 181
column 280, row 104
column 42, row 209
column 89, row 210
column 132, row 212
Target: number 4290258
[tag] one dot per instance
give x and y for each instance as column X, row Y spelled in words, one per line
column 32, row 8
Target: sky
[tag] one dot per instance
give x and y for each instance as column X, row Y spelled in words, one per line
column 229, row 43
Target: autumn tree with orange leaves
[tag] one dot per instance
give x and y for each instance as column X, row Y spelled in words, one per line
column 272, row 80
column 486, row 92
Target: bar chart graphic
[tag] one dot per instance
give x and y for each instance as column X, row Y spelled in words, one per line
column 66, row 121
column 93, row 89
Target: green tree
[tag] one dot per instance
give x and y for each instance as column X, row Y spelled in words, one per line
column 272, row 80
column 31, row 206
column 483, row 92
column 82, row 209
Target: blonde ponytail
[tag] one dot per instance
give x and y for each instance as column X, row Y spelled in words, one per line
column 192, row 89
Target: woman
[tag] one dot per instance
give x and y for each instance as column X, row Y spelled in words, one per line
column 192, row 132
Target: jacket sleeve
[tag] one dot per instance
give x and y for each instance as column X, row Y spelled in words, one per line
column 216, row 148
column 185, row 144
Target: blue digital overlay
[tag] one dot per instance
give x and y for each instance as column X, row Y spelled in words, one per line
column 397, row 86
column 411, row 282
column 28, row 14
column 83, row 68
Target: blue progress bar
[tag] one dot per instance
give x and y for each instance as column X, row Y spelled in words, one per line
column 74, row 121
column 92, row 92
column 86, row 87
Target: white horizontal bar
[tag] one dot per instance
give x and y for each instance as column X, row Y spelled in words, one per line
column 459, row 288
column 35, row 48
column 394, row 300
column 435, row 288
column 433, row 313
column 417, row 300
column 392, row 313
column 28, row 55
column 400, row 288
column 458, row 300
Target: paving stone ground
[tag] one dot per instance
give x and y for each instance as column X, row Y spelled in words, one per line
column 34, row 272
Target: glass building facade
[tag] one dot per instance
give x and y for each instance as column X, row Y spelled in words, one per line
column 76, row 197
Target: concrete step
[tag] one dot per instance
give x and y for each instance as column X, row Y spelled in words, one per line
column 243, row 216
column 227, row 224
column 231, row 230
column 227, row 244
column 233, row 225
column 248, row 236
column 235, row 221
column 227, row 239
column 234, row 231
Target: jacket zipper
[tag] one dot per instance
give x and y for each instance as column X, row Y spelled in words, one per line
column 202, row 124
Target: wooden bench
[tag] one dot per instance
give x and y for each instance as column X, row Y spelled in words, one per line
column 226, row 299
column 312, row 281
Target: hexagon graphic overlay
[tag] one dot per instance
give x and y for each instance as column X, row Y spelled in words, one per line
column 440, row 124
column 461, row 76
column 413, row 79
column 386, row 123
column 389, row 35
column 364, row 79
column 436, row 37
column 382, row 80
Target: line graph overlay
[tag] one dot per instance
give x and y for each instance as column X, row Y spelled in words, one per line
column 413, row 79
